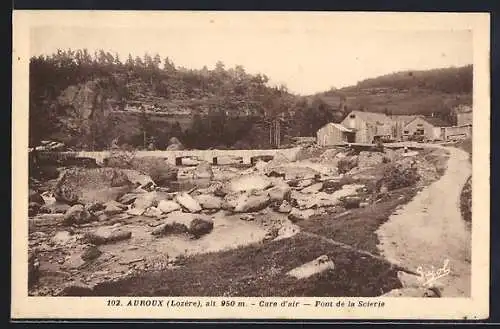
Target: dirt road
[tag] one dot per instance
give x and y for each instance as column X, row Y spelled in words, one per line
column 429, row 230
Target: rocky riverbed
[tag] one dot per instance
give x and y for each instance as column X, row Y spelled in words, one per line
column 95, row 225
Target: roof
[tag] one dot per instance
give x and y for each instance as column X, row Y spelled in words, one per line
column 373, row 116
column 340, row 127
column 436, row 122
column 404, row 118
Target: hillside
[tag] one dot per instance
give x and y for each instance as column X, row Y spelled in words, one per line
column 409, row 92
column 87, row 101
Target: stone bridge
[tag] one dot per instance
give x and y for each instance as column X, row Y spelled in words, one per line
column 211, row 156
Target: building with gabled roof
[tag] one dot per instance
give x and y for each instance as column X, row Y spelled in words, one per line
column 369, row 126
column 334, row 134
column 429, row 128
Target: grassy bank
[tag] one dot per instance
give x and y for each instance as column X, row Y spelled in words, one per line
column 466, row 201
column 466, row 195
column 259, row 270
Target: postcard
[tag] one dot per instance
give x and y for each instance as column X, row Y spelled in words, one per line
column 250, row 165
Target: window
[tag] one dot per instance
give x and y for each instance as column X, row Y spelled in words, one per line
column 352, row 116
column 419, row 125
column 406, row 132
column 419, row 132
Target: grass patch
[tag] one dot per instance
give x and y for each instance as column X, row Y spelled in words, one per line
column 359, row 226
column 259, row 270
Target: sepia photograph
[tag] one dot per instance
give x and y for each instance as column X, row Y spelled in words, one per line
column 204, row 154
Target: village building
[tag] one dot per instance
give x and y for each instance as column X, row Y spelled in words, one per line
column 369, row 127
column 334, row 134
column 399, row 123
column 430, row 128
column 457, row 132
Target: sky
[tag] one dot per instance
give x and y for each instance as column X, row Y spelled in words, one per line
column 307, row 60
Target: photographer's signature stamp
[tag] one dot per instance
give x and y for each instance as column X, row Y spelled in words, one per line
column 429, row 277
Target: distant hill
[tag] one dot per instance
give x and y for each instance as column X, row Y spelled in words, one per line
column 454, row 80
column 409, row 92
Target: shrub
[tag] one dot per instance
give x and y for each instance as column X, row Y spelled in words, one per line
column 466, row 201
column 399, row 176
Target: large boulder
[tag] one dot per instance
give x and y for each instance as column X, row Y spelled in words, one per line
column 208, row 201
column 248, row 183
column 279, row 192
column 188, row 202
column 200, row 226
column 153, row 212
column 203, row 171
column 168, row 206
column 296, row 215
column 160, row 171
column 322, row 199
column 84, row 185
column 293, row 171
column 231, row 200
column 252, row 202
column 105, row 235
column 77, row 214
column 137, row 178
column 148, row 199
column 179, row 222
column 112, row 208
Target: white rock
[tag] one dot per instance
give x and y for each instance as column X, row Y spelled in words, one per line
column 248, row 183
column 251, row 203
column 167, row 206
column 145, row 200
column 152, row 212
column 136, row 211
column 278, row 193
column 209, row 201
column 297, row 215
column 318, row 265
column 187, row 201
